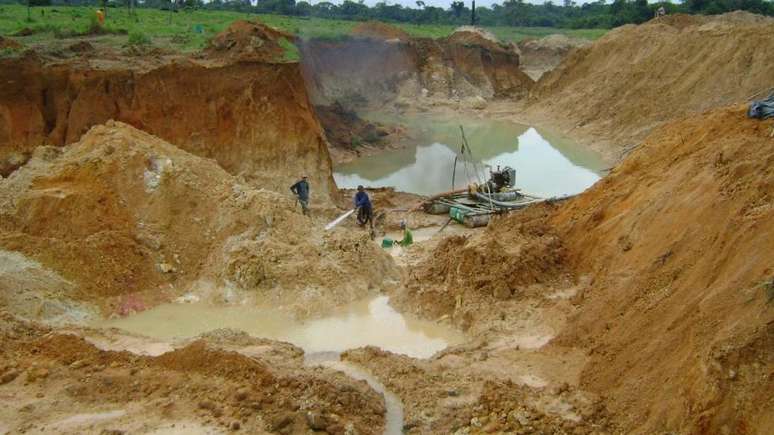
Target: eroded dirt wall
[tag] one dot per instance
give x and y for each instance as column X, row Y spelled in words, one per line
column 363, row 71
column 253, row 118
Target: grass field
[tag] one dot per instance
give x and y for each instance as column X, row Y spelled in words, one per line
column 189, row 31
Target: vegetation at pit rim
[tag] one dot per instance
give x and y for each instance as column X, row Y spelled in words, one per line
column 189, row 30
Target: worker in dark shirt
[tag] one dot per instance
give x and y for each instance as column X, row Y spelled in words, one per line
column 301, row 190
column 365, row 211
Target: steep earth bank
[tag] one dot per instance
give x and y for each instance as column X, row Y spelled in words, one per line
column 637, row 77
column 378, row 67
column 238, row 103
column 668, row 264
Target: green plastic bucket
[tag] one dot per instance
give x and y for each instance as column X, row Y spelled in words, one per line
column 387, row 243
column 457, row 214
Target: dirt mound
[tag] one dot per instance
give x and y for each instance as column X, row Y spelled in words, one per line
column 673, row 66
column 63, row 383
column 380, row 31
column 470, row 35
column 105, row 214
column 249, row 41
column 679, row 21
column 678, row 241
column 463, row 273
column 744, row 17
column 539, row 56
column 9, row 44
column 253, row 118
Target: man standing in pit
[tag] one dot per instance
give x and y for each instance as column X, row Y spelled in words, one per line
column 365, row 212
column 301, row 190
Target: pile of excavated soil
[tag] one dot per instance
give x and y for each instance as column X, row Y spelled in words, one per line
column 636, row 78
column 672, row 260
column 380, row 31
column 538, row 56
column 678, row 239
column 248, row 41
column 62, row 383
column 122, row 213
column 471, row 35
column 9, row 44
column 465, row 274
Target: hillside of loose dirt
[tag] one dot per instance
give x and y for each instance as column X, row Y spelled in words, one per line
column 124, row 218
column 635, row 78
column 678, row 317
column 668, row 262
column 233, row 104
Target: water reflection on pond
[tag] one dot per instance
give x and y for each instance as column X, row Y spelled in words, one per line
column 546, row 165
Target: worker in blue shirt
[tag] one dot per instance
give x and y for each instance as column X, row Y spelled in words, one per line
column 301, row 190
column 365, row 211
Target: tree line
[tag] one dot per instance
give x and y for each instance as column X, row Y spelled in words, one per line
column 598, row 14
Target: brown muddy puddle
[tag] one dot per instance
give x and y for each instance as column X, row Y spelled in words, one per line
column 371, row 322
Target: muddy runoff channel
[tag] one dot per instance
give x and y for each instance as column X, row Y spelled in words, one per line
column 370, row 322
column 546, row 164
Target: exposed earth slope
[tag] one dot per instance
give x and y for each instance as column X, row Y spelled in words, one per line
column 240, row 103
column 635, row 78
column 671, row 260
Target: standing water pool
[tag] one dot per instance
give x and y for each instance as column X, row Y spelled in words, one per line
column 369, row 322
column 546, row 165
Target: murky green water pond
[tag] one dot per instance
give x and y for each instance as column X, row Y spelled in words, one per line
column 546, row 165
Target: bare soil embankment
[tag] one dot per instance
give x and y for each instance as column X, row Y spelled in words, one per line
column 124, row 213
column 637, row 77
column 238, row 103
column 677, row 244
column 667, row 262
column 377, row 67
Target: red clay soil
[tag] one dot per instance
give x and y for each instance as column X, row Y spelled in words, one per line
column 637, row 77
column 253, row 117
